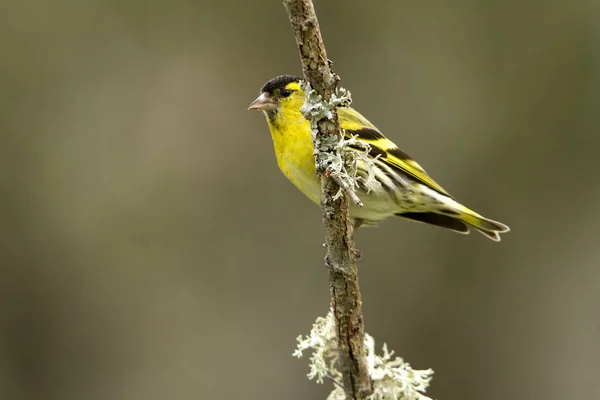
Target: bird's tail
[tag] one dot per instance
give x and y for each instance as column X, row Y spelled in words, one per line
column 452, row 215
column 488, row 227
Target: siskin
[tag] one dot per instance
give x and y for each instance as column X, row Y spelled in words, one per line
column 405, row 189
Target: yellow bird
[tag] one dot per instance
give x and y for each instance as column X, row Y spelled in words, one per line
column 405, row 190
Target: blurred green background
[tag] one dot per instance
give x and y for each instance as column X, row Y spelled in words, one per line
column 151, row 249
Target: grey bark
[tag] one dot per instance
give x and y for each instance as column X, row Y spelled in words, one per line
column 339, row 236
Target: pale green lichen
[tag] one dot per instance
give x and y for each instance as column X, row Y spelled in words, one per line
column 359, row 160
column 393, row 379
column 333, row 155
column 321, row 340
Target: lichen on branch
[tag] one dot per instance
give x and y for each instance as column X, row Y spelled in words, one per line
column 339, row 238
column 393, row 379
column 331, row 155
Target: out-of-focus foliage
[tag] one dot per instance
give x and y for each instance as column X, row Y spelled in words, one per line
column 150, row 248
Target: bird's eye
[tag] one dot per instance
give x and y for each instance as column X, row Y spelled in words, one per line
column 286, row 93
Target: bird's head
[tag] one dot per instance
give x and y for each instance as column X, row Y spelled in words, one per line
column 280, row 94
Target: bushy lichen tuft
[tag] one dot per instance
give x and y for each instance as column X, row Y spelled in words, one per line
column 355, row 159
column 393, row 379
column 322, row 341
column 332, row 155
column 315, row 109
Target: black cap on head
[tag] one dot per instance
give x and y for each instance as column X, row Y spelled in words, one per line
column 278, row 82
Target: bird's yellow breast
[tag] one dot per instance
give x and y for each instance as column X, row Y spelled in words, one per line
column 292, row 139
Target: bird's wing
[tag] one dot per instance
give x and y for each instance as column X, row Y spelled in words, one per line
column 355, row 124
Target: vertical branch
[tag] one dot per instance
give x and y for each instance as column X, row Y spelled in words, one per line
column 339, row 237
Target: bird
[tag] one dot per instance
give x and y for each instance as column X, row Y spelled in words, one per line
column 404, row 189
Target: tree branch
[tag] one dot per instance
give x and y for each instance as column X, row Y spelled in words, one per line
column 339, row 236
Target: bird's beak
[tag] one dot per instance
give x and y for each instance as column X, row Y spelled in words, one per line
column 263, row 102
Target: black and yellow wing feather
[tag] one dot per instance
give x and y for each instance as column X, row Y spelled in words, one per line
column 355, row 124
